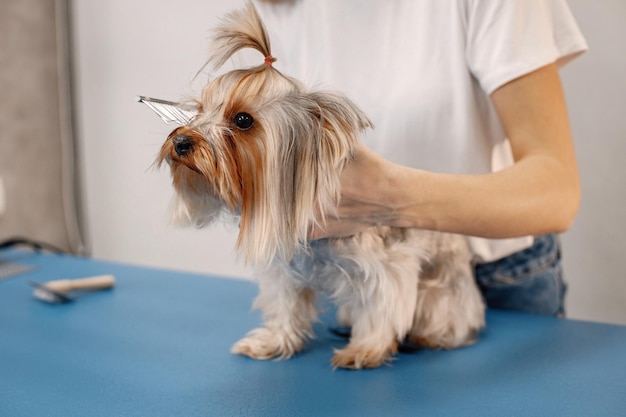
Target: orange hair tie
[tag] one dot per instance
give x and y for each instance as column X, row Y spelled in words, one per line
column 269, row 60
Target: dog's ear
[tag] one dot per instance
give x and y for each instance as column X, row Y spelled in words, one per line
column 309, row 137
column 340, row 122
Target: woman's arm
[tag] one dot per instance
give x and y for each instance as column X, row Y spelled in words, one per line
column 538, row 194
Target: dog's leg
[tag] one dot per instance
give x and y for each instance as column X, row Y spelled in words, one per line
column 344, row 316
column 450, row 311
column 288, row 311
column 380, row 315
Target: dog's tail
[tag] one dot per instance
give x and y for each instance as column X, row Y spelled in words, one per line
column 240, row 29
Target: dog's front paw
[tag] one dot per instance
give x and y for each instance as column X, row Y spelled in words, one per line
column 263, row 343
column 353, row 357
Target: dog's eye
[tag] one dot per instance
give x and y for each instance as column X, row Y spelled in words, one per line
column 243, row 121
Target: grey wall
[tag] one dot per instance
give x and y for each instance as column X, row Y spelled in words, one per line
column 595, row 247
column 124, row 49
column 30, row 124
column 153, row 47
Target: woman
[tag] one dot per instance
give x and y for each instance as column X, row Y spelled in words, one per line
column 472, row 134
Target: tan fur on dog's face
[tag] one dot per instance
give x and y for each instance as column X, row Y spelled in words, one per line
column 276, row 173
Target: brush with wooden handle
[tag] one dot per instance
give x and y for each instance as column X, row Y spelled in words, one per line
column 58, row 291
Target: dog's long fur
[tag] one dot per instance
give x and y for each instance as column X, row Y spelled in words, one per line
column 275, row 176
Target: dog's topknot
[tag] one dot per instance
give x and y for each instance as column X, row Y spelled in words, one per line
column 240, row 29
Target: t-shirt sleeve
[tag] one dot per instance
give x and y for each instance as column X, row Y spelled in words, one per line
column 507, row 39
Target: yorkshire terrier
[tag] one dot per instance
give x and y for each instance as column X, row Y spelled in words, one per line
column 268, row 152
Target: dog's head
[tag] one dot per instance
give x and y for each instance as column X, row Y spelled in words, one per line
column 261, row 148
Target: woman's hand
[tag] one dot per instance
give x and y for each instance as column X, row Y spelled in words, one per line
column 538, row 194
column 365, row 197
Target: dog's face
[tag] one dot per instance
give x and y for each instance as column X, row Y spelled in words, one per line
column 263, row 149
column 218, row 161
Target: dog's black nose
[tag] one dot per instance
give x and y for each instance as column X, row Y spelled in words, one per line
column 182, row 144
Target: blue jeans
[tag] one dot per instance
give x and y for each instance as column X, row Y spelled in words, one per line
column 530, row 280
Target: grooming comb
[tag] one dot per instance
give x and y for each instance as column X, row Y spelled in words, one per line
column 170, row 111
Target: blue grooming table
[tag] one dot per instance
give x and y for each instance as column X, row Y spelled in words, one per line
column 158, row 345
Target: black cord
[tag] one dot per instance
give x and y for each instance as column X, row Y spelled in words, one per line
column 34, row 245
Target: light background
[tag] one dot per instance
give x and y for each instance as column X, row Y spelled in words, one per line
column 154, row 47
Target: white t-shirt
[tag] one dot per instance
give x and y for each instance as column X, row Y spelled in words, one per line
column 423, row 70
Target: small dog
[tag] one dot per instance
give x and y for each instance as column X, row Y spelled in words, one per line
column 266, row 151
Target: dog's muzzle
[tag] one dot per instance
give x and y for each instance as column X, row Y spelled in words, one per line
column 182, row 144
